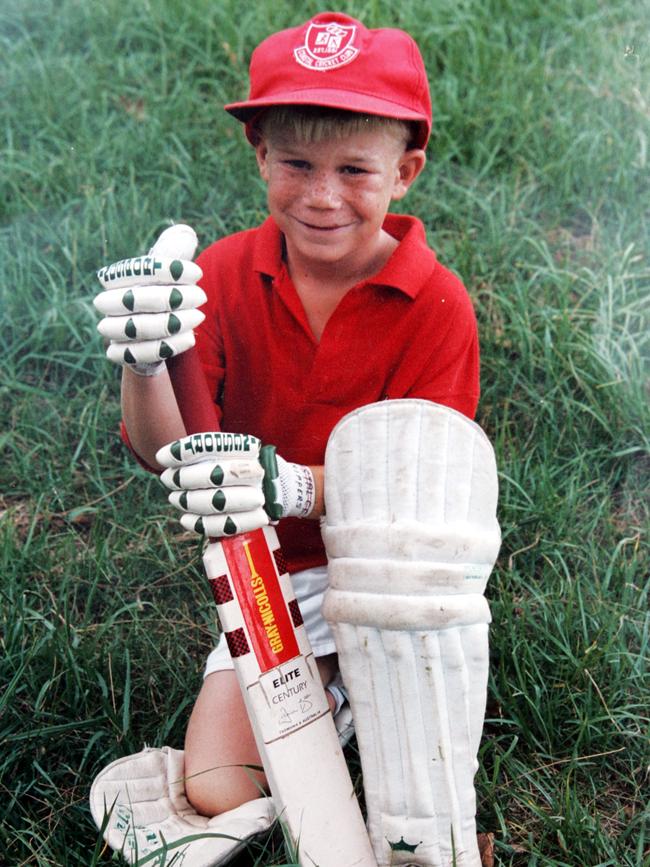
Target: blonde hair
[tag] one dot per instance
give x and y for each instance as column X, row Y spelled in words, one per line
column 311, row 124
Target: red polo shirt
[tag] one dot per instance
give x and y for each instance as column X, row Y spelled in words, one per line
column 410, row 331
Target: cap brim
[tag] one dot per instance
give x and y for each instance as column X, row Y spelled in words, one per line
column 342, row 100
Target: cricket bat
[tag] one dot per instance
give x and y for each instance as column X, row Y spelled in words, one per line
column 294, row 730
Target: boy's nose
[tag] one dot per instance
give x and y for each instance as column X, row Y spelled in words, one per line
column 323, row 191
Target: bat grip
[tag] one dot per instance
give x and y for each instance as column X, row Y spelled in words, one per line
column 193, row 397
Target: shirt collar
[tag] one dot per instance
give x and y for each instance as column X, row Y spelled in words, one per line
column 408, row 268
column 267, row 254
column 412, row 262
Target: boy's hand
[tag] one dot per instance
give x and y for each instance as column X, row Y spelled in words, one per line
column 150, row 303
column 227, row 483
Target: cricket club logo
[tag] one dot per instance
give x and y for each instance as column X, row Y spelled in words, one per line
column 327, row 46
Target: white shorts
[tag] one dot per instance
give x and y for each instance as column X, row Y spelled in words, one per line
column 309, row 586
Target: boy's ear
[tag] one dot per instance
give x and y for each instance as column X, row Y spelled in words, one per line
column 261, row 154
column 409, row 167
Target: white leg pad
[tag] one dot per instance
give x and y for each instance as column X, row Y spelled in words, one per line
column 411, row 536
column 139, row 804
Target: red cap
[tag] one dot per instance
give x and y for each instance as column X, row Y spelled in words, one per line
column 335, row 61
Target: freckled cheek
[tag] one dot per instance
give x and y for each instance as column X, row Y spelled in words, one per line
column 372, row 189
column 285, row 190
column 369, row 202
column 279, row 199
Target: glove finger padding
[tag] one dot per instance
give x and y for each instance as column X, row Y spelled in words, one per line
column 151, row 270
column 150, row 351
column 177, row 241
column 139, row 804
column 149, row 299
column 216, row 501
column 149, row 326
column 211, row 474
column 217, row 526
column 211, row 445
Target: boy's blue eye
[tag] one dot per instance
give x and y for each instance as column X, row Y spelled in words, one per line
column 353, row 170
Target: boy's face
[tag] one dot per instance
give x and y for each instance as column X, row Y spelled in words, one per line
column 330, row 198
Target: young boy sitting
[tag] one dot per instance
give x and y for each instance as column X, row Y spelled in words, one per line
column 329, row 305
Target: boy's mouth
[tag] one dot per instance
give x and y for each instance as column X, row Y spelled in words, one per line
column 322, row 228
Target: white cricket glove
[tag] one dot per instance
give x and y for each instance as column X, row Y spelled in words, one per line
column 227, row 483
column 150, row 303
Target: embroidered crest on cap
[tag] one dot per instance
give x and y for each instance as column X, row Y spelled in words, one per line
column 327, row 46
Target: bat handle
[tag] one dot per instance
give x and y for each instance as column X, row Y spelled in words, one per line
column 193, row 397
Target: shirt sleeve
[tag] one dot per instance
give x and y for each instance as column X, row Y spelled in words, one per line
column 447, row 371
column 127, row 442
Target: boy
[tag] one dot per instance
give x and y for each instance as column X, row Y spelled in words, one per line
column 329, row 305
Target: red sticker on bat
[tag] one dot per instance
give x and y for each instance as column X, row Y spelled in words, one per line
column 257, row 586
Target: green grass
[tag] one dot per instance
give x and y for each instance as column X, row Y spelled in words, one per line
column 536, row 192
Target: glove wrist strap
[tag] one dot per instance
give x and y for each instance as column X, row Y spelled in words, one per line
column 289, row 490
column 154, row 368
column 304, row 491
